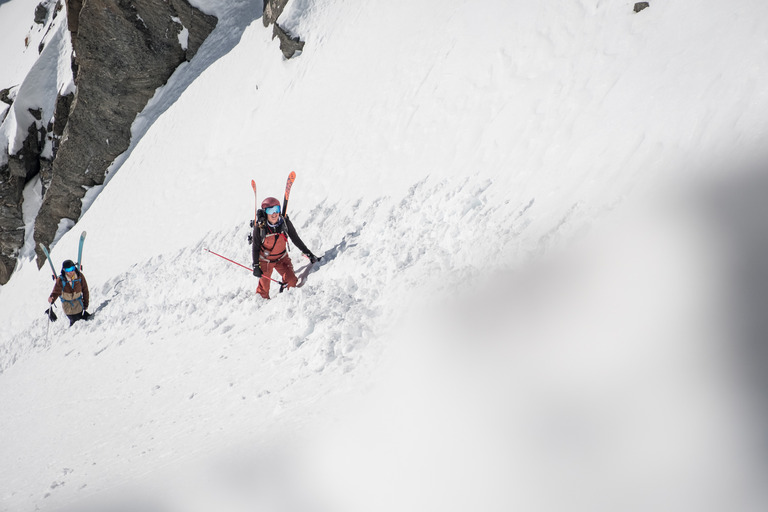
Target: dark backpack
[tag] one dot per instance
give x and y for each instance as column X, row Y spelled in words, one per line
column 261, row 224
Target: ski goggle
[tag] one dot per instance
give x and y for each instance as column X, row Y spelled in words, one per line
column 69, row 269
column 273, row 209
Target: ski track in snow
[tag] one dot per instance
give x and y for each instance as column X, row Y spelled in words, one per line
column 337, row 321
column 341, row 301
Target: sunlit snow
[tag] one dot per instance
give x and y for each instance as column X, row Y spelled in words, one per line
column 542, row 287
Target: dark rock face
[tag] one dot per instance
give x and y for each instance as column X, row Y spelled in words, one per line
column 41, row 13
column 272, row 10
column 639, row 6
column 26, row 163
column 5, row 96
column 20, row 168
column 289, row 44
column 11, row 220
column 124, row 50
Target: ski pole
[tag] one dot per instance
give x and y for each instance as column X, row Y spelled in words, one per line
column 241, row 265
column 51, row 318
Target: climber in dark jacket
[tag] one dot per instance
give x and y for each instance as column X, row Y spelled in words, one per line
column 270, row 246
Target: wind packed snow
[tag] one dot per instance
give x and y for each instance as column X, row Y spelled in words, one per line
column 543, row 247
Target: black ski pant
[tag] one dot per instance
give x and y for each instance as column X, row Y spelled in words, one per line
column 83, row 315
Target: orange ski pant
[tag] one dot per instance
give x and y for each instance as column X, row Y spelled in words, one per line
column 284, row 267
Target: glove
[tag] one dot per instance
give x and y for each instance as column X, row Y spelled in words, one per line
column 51, row 315
column 313, row 258
column 257, row 271
column 86, row 315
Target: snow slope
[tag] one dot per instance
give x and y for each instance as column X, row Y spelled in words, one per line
column 20, row 38
column 492, row 325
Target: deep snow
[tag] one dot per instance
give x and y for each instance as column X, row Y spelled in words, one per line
column 527, row 293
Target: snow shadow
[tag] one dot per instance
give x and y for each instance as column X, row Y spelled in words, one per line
column 328, row 256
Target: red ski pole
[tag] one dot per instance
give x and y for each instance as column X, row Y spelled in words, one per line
column 241, row 265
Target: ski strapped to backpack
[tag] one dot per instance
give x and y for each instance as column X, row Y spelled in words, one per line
column 79, row 255
column 288, row 185
column 50, row 262
column 80, row 252
column 51, row 315
column 256, row 199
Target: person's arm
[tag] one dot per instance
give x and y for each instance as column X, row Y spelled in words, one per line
column 86, row 294
column 56, row 293
column 255, row 249
column 297, row 241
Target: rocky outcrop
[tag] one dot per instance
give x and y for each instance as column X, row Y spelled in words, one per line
column 41, row 13
column 18, row 170
column 124, row 50
column 11, row 220
column 639, row 6
column 5, row 96
column 26, row 163
column 272, row 10
column 289, row 44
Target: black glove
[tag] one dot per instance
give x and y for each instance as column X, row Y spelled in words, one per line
column 313, row 258
column 257, row 271
column 86, row 315
column 51, row 315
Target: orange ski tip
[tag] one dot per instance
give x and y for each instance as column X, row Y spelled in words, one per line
column 253, row 184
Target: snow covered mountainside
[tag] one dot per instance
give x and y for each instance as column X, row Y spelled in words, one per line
column 543, row 261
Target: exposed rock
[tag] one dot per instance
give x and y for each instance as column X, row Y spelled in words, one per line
column 288, row 45
column 46, row 173
column 11, row 220
column 22, row 167
column 58, row 8
column 272, row 10
column 124, row 51
column 61, row 114
column 41, row 14
column 26, row 163
column 639, row 6
column 5, row 96
column 73, row 15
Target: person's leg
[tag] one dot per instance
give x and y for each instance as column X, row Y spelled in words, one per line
column 285, row 269
column 263, row 288
column 74, row 318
